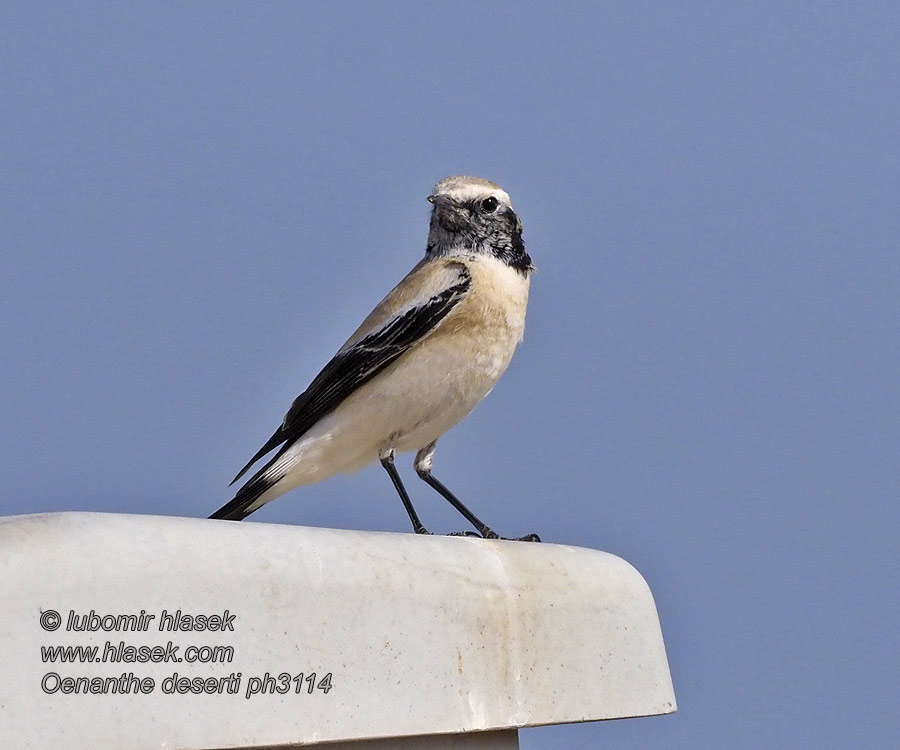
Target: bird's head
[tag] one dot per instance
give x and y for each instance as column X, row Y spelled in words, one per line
column 472, row 215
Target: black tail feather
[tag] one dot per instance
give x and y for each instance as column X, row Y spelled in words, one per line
column 236, row 509
column 274, row 441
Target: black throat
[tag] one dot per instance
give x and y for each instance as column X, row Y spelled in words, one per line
column 513, row 253
column 505, row 242
column 499, row 235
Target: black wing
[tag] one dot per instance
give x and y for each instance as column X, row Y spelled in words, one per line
column 350, row 368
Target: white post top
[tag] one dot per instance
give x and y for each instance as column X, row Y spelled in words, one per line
column 193, row 634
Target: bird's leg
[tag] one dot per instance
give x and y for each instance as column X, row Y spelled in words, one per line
column 423, row 469
column 387, row 461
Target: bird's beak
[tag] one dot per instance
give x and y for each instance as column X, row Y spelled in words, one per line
column 441, row 200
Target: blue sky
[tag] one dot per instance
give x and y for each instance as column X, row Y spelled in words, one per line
column 201, row 201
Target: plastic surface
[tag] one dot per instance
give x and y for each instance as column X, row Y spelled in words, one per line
column 405, row 635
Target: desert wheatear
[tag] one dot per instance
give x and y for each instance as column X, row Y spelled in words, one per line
column 419, row 363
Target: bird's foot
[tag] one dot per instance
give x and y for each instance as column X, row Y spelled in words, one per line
column 526, row 538
column 488, row 534
column 422, row 530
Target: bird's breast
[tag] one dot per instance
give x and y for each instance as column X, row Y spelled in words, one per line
column 495, row 307
column 473, row 345
column 439, row 380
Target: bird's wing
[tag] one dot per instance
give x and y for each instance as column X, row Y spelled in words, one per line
column 406, row 316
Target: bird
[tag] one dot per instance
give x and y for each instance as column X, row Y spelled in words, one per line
column 421, row 361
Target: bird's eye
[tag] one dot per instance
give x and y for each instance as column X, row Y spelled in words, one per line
column 489, row 204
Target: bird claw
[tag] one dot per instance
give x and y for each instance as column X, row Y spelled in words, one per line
column 493, row 535
column 526, row 538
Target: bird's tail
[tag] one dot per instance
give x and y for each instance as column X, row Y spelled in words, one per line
column 248, row 496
